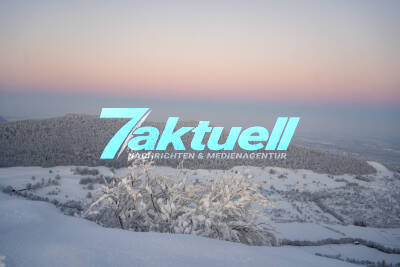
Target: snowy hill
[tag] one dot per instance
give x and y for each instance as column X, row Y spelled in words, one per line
column 313, row 214
column 80, row 139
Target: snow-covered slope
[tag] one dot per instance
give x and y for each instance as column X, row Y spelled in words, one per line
column 308, row 206
column 298, row 195
column 37, row 234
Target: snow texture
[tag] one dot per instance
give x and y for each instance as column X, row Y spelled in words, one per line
column 37, row 234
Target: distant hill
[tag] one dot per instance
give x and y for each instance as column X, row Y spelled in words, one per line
column 2, row 119
column 80, row 139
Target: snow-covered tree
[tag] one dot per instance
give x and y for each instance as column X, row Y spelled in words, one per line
column 225, row 208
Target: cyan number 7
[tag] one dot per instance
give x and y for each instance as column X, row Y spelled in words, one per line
column 119, row 141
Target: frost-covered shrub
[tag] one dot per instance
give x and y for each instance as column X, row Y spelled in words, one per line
column 8, row 189
column 101, row 179
column 350, row 184
column 51, row 182
column 71, row 207
column 226, row 208
column 85, row 171
column 85, row 180
column 363, row 178
column 37, row 185
column 54, row 192
column 339, row 180
column 90, row 187
column 360, row 223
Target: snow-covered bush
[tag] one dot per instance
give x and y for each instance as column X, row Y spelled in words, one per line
column 225, row 208
column 360, row 222
column 8, row 189
column 90, row 187
column 100, row 179
column 85, row 171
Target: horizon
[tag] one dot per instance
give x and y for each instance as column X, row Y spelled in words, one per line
column 347, row 121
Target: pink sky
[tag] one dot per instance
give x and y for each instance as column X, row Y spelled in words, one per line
column 263, row 51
